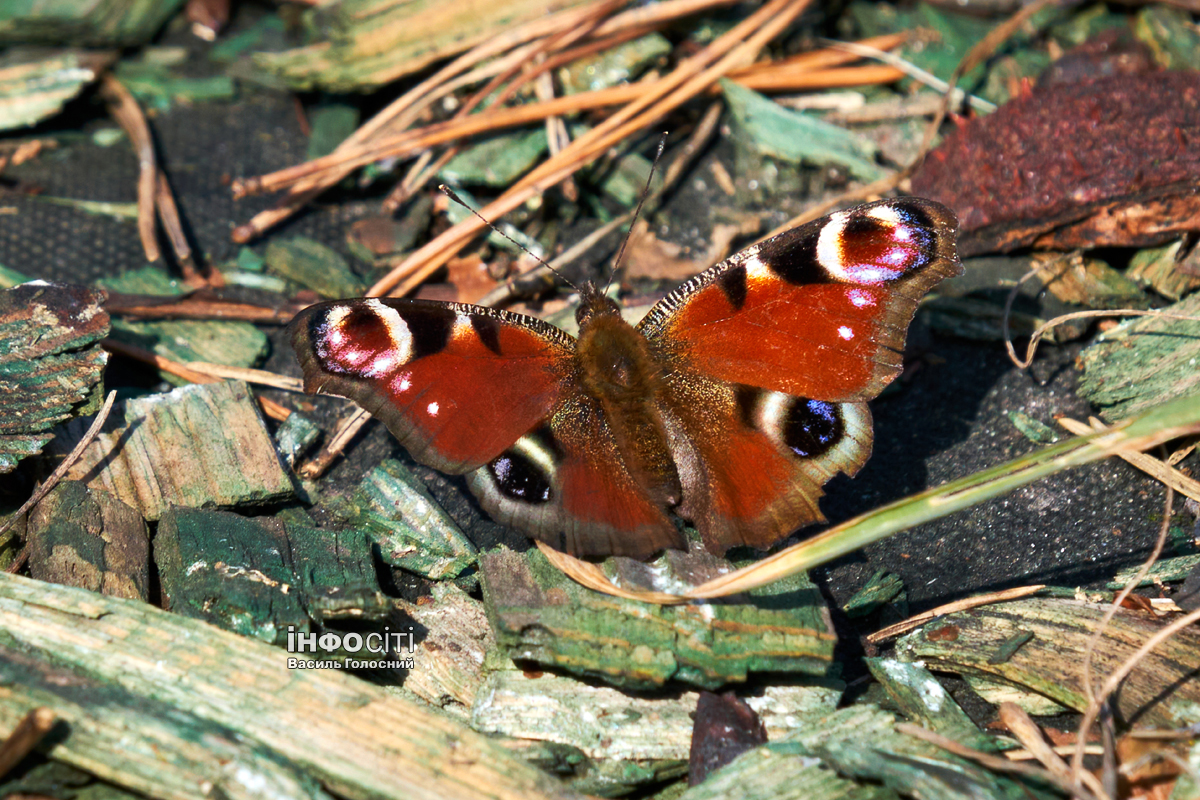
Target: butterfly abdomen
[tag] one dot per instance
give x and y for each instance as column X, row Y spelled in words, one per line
column 621, row 375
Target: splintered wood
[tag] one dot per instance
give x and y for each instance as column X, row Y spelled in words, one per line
column 199, row 446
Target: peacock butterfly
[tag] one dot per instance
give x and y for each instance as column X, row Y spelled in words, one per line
column 731, row 403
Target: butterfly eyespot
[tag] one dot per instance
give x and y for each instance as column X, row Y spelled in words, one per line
column 811, row 427
column 875, row 246
column 370, row 339
column 520, row 478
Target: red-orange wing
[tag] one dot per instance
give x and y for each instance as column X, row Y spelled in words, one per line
column 772, row 352
column 456, row 384
column 819, row 311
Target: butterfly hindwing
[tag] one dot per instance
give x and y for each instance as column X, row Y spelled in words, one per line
column 456, row 384
column 568, row 484
column 762, row 477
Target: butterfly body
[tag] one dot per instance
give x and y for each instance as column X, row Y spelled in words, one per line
column 730, row 404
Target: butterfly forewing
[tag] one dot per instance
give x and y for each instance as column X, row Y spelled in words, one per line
column 456, row 384
column 819, row 311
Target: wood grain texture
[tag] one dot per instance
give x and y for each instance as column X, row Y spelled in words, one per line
column 199, row 446
column 1162, row 691
column 192, row 683
column 50, row 362
column 540, row 615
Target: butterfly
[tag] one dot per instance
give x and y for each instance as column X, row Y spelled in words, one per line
column 733, row 401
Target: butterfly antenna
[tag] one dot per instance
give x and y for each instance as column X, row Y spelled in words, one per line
column 446, row 190
column 637, row 212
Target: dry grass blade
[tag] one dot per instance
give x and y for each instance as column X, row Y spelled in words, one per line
column 57, row 476
column 917, row 620
column 592, row 576
column 1159, row 470
column 129, row 116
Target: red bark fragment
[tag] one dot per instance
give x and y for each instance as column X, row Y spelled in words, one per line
column 1098, row 163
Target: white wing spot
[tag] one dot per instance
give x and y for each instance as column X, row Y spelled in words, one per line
column 397, row 328
column 462, row 326
column 756, row 270
column 861, row 299
column 432, row 409
column 846, row 332
column 829, row 245
column 887, row 214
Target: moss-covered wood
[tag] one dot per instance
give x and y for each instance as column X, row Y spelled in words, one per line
column 174, row 707
column 263, row 577
column 412, row 531
column 779, row 772
column 861, row 742
column 199, row 446
column 1144, row 362
column 90, row 539
column 542, row 616
column 1161, row 691
column 919, row 696
column 365, row 44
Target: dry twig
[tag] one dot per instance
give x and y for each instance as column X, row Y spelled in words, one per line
column 272, row 409
column 125, row 109
column 29, row 732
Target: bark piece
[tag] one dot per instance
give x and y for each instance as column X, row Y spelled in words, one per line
column 626, row 740
column 262, row 577
column 542, row 616
column 50, row 362
column 90, row 539
column 1162, row 691
column 1127, row 178
column 452, row 648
